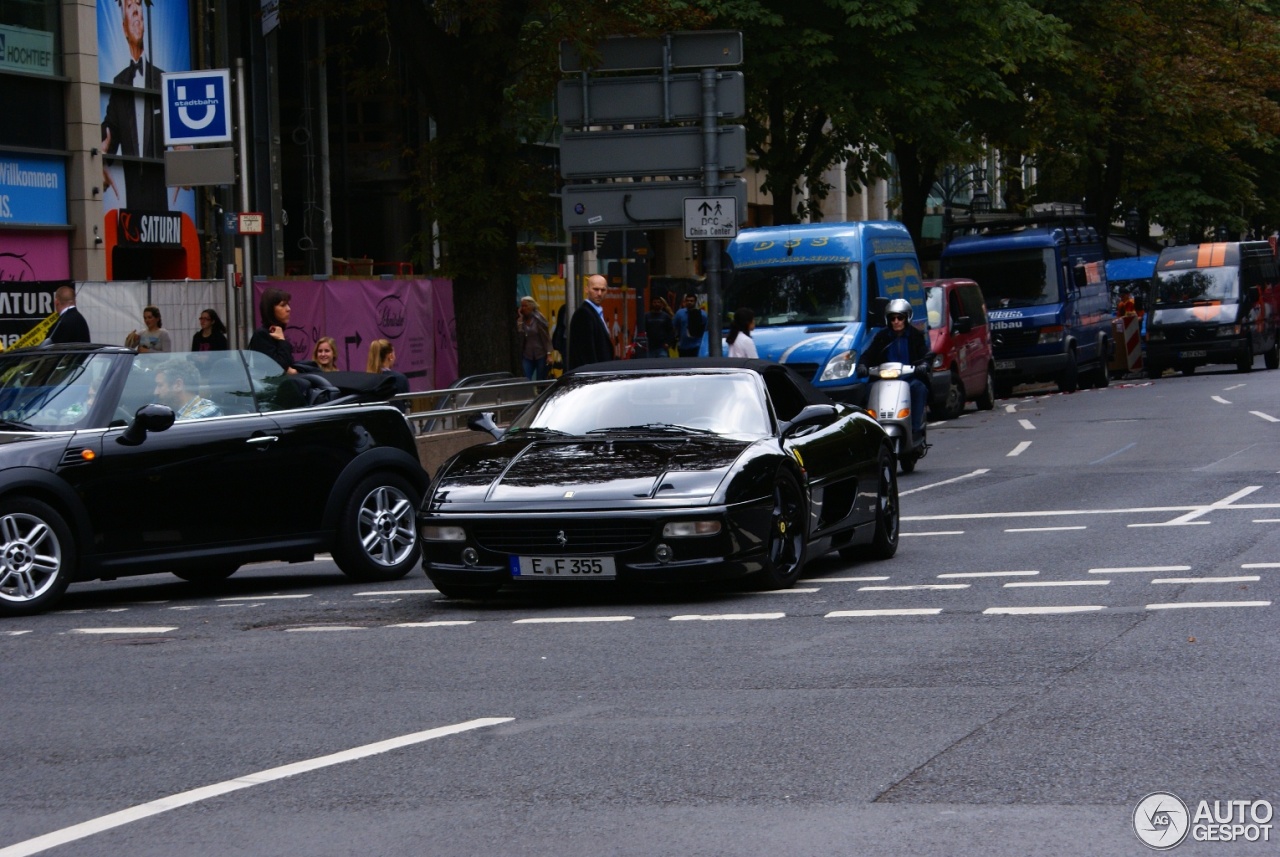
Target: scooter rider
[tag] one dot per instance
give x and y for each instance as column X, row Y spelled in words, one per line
column 902, row 342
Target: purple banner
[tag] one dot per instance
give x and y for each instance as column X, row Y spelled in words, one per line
column 415, row 316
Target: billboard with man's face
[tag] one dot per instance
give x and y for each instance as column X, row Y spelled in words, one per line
column 138, row 40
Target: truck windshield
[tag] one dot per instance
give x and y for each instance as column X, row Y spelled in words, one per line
column 796, row 294
column 1198, row 284
column 1010, row 278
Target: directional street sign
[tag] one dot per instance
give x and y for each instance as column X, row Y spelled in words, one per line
column 691, row 49
column 637, row 100
column 637, row 205
column 648, row 152
column 710, row 217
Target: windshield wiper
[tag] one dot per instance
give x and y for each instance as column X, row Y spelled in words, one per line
column 541, row 430
column 15, row 425
column 655, row 428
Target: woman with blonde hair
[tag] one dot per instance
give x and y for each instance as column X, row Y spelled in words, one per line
column 382, row 356
column 325, row 354
column 535, row 339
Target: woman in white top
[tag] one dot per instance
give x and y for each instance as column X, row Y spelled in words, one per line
column 739, row 338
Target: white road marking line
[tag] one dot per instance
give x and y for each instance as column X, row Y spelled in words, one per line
column 326, row 628
column 553, row 620
column 1260, row 565
column 1178, row 606
column 154, row 629
column 1064, row 513
column 1028, row 611
column 796, row 591
column 1266, row 520
column 1011, row 409
column 1121, row 451
column 1019, row 449
column 1266, row 417
column 1027, row 583
column 852, row 579
column 1027, row 424
column 1171, row 524
column 16, row 633
column 915, row 586
column 136, row 813
column 987, row 573
column 262, row 597
column 1124, row 569
column 1189, row 517
column 978, row 472
column 1220, row 400
column 185, row 607
column 935, row 533
column 713, row 617
column 402, row 592
column 1244, row 578
column 851, row 614
column 442, row 623
column 1043, row 529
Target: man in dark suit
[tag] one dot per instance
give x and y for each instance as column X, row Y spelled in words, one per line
column 124, row 132
column 589, row 340
column 70, row 326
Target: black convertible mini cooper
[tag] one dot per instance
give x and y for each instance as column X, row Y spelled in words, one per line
column 115, row 463
column 663, row 470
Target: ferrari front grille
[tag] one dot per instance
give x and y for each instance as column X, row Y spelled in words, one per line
column 562, row 538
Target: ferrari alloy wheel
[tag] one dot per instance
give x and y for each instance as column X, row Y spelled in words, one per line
column 377, row 537
column 37, row 556
column 884, row 543
column 786, row 542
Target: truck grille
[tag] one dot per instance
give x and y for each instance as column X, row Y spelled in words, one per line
column 1024, row 338
column 579, row 537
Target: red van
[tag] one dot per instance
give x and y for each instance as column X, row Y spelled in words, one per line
column 960, row 339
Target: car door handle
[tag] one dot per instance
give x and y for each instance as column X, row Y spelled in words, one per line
column 262, row 440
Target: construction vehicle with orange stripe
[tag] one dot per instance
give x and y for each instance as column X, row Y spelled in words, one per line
column 1214, row 303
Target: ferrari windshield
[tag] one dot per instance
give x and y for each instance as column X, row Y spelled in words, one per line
column 723, row 403
column 40, row 391
column 1198, row 284
column 796, row 294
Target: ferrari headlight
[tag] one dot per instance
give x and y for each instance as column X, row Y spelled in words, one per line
column 840, row 366
column 676, row 529
column 439, row 533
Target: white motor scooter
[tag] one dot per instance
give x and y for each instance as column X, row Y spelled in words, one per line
column 889, row 401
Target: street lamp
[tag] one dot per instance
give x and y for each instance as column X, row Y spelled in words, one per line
column 1133, row 222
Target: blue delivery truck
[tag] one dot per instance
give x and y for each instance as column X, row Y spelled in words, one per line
column 818, row 291
column 1045, row 283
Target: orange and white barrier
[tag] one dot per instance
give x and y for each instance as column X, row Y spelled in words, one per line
column 1126, row 333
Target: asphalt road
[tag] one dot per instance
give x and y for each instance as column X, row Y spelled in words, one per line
column 1083, row 612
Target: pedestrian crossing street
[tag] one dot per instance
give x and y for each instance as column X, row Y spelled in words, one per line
column 997, row 592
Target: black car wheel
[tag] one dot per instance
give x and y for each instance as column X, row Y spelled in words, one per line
column 953, row 406
column 1069, row 380
column 1272, row 358
column 987, row 400
column 1244, row 360
column 377, row 537
column 884, row 543
column 37, row 556
column 786, row 540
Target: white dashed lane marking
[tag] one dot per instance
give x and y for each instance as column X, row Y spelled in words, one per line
column 1244, row 578
column 1019, row 449
column 1043, row 529
column 909, row 611
column 987, row 574
column 1189, row 604
column 714, row 617
column 1030, row 583
column 138, row 630
column 1139, row 568
column 1041, row 611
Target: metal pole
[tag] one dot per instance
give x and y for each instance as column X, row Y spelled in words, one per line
column 242, row 143
column 233, row 308
column 326, row 194
column 711, row 187
column 570, row 276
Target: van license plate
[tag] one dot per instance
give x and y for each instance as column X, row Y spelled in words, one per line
column 1197, row 353
column 563, row 567
column 1002, row 365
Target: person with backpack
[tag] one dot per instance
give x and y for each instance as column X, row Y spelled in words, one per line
column 691, row 323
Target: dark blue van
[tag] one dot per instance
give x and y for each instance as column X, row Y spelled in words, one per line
column 1045, row 284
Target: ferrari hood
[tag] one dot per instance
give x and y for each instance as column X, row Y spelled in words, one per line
column 560, row 473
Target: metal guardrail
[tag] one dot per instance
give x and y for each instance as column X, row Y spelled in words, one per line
column 502, row 393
